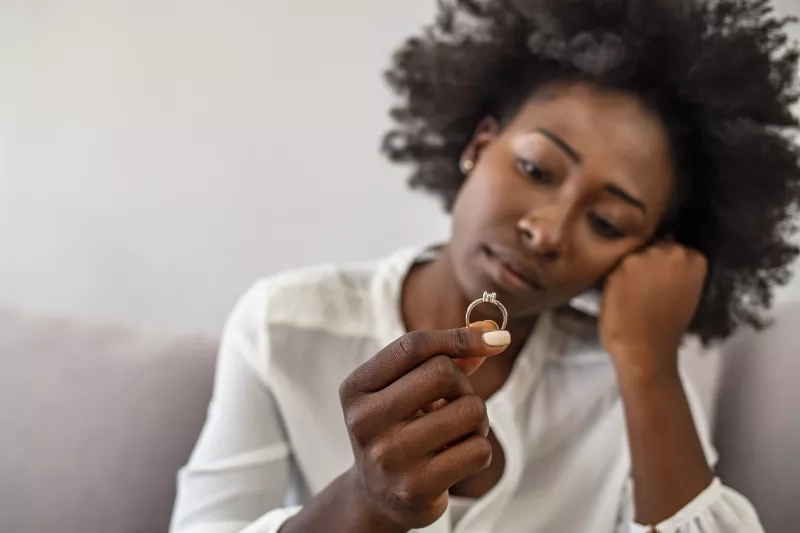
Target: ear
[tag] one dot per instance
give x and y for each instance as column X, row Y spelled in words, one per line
column 486, row 132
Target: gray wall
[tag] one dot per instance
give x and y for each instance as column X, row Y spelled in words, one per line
column 160, row 155
column 156, row 156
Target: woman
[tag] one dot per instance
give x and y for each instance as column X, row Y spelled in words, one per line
column 633, row 146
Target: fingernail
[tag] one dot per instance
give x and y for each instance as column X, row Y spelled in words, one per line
column 496, row 339
column 485, row 324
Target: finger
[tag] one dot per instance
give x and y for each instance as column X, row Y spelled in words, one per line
column 437, row 378
column 485, row 325
column 469, row 366
column 457, row 462
column 458, row 419
column 413, row 349
column 431, row 407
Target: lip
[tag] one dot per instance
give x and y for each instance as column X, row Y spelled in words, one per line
column 514, row 271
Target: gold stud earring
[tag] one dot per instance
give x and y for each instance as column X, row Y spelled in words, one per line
column 467, row 166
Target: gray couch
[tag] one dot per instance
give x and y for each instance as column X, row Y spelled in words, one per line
column 94, row 423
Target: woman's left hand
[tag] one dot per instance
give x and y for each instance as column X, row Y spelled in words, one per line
column 648, row 302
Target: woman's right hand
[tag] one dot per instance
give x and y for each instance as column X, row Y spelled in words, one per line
column 406, row 459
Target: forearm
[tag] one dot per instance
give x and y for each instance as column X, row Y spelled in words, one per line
column 340, row 508
column 669, row 465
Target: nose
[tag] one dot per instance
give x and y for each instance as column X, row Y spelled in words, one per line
column 543, row 234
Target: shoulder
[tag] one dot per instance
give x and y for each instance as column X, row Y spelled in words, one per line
column 340, row 310
column 350, row 299
column 279, row 315
column 325, row 297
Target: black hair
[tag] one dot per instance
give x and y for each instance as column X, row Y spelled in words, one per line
column 721, row 74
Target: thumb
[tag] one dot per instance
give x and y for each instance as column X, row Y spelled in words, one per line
column 469, row 366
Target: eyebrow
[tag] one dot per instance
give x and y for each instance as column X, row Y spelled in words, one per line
column 620, row 193
column 577, row 159
column 561, row 143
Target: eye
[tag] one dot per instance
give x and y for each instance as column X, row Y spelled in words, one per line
column 534, row 172
column 604, row 228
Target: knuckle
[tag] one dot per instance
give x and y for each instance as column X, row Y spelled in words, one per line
column 409, row 490
column 412, row 343
column 444, row 371
column 482, row 450
column 379, row 454
column 357, row 426
column 472, row 409
column 700, row 259
column 405, row 344
column 345, row 391
column 461, row 340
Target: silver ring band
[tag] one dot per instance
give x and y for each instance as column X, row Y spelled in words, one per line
column 488, row 298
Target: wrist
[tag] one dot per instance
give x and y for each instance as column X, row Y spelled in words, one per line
column 646, row 367
column 367, row 510
column 640, row 384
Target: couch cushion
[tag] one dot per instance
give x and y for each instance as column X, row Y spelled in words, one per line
column 94, row 423
column 758, row 420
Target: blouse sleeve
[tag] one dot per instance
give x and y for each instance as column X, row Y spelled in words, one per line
column 236, row 480
column 718, row 509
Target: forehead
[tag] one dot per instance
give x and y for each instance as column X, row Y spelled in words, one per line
column 617, row 136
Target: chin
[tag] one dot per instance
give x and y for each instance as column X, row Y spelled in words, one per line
column 477, row 272
column 519, row 304
column 520, row 300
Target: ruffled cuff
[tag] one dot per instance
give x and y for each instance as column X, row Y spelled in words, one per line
column 718, row 509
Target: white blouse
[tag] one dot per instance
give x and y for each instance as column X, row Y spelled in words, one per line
column 275, row 436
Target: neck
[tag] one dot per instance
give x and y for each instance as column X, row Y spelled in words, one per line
column 432, row 299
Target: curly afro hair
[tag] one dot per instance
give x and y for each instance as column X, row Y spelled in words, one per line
column 721, row 74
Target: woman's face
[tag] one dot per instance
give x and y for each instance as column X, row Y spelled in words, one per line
column 578, row 180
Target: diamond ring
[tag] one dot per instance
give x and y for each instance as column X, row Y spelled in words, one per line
column 488, row 298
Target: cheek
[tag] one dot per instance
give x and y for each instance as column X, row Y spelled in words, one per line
column 490, row 196
column 468, row 216
column 597, row 259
